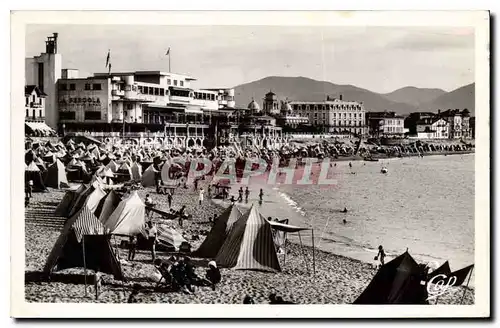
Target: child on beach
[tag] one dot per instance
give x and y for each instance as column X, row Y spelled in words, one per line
column 131, row 248
column 380, row 253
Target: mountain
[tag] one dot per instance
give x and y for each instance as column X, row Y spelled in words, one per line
column 463, row 97
column 306, row 89
column 414, row 96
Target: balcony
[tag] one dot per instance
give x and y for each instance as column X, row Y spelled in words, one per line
column 117, row 93
column 35, row 105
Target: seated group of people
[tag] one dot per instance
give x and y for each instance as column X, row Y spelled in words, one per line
column 180, row 273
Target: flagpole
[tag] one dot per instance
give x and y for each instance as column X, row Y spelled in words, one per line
column 84, row 265
column 169, row 61
column 465, row 289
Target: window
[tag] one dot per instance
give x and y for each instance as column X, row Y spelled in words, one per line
column 125, row 114
column 72, row 86
column 27, row 112
column 33, row 114
column 67, row 115
column 40, row 101
column 63, row 87
column 27, row 102
column 169, row 82
column 130, row 106
column 40, row 113
column 87, row 86
column 157, row 91
column 92, row 115
column 181, row 83
column 97, row 86
column 139, row 88
column 162, row 92
column 175, row 82
column 33, row 99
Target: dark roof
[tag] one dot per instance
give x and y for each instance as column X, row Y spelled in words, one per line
column 28, row 89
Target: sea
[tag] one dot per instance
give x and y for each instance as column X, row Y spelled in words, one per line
column 423, row 205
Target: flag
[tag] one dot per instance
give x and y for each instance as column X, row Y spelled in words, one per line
column 168, row 52
column 108, row 57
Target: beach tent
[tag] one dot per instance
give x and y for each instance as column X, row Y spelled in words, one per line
column 80, row 200
column 149, row 176
column 125, row 172
column 112, row 165
column 129, row 216
column 56, row 176
column 400, row 281
column 136, row 170
column 106, row 206
column 249, row 245
column 68, row 200
column 82, row 242
column 220, row 230
column 33, row 173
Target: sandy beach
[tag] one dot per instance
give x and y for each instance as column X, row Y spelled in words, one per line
column 338, row 279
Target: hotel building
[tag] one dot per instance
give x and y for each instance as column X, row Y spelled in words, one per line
column 385, row 124
column 334, row 115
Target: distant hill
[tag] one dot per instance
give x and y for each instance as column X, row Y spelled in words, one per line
column 414, row 96
column 402, row 101
column 463, row 97
column 306, row 89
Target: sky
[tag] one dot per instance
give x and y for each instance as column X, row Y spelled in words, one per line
column 380, row 59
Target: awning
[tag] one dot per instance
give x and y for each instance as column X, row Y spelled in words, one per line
column 40, row 127
column 286, row 227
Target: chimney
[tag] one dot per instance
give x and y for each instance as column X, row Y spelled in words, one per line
column 439, row 112
column 340, row 97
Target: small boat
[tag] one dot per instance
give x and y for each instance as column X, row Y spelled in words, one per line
column 384, row 170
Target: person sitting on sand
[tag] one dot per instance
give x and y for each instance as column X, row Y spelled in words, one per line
column 232, row 200
column 213, row 274
column 344, row 210
column 248, row 300
column 344, row 221
column 382, row 255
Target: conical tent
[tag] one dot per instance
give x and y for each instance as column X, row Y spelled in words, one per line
column 68, row 201
column 106, row 206
column 149, row 176
column 33, row 173
column 128, row 218
column 125, row 170
column 219, row 232
column 80, row 200
column 56, row 176
column 400, row 281
column 250, row 245
column 84, row 226
column 113, row 166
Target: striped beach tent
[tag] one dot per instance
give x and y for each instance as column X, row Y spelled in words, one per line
column 219, row 232
column 170, row 236
column 113, row 166
column 250, row 245
column 106, row 206
column 80, row 200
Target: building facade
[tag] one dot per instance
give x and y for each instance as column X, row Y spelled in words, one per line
column 435, row 128
column 44, row 71
column 34, row 104
column 385, row 124
column 457, row 124
column 334, row 115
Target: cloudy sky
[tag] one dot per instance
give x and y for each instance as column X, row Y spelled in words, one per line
column 379, row 59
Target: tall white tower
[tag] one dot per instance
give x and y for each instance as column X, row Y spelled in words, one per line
column 44, row 71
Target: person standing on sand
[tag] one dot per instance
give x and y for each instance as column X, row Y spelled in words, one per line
column 195, row 184
column 261, row 195
column 152, row 238
column 247, row 193
column 131, row 248
column 240, row 194
column 382, row 255
column 200, row 197
column 169, row 199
